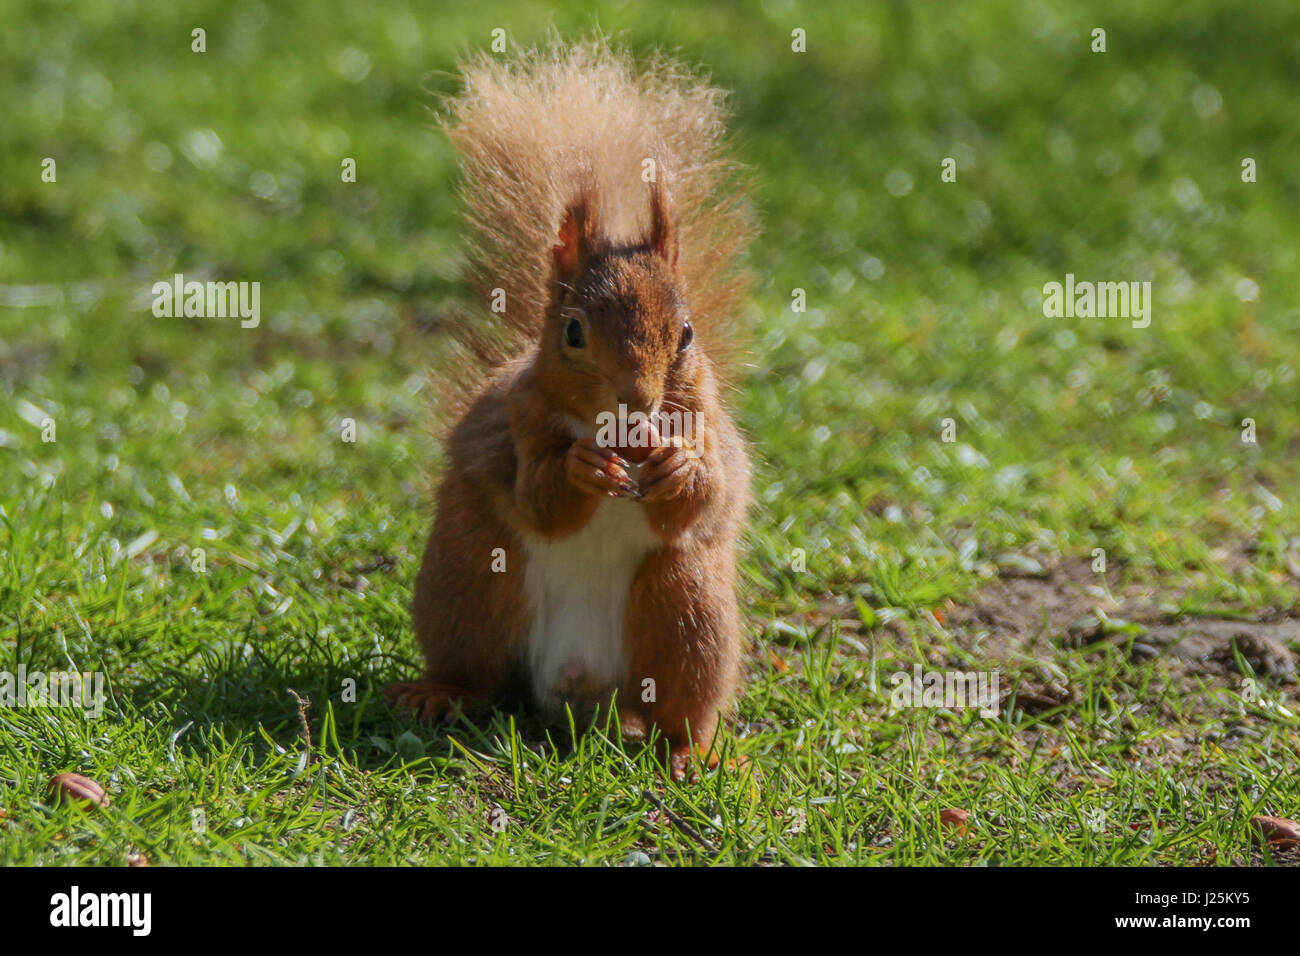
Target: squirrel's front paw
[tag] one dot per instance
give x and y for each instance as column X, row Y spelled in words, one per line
column 667, row 472
column 594, row 470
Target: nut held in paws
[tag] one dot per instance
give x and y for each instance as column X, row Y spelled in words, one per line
column 642, row 439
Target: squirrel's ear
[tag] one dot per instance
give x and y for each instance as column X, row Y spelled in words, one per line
column 663, row 227
column 577, row 235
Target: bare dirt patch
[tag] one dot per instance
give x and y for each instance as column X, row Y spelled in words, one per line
column 1070, row 605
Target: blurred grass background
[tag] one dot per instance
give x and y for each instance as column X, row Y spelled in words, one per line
column 924, row 304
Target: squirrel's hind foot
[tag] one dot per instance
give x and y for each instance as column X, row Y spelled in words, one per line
column 431, row 701
column 685, row 762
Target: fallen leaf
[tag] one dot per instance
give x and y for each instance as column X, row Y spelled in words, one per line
column 74, row 787
column 957, row 819
column 1276, row 831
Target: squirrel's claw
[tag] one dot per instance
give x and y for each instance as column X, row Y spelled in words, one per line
column 666, row 474
column 598, row 471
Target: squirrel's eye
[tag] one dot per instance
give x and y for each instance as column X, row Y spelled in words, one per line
column 687, row 335
column 574, row 337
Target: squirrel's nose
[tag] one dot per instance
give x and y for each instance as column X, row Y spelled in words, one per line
column 637, row 400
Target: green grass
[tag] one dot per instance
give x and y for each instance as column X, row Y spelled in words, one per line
column 1072, row 434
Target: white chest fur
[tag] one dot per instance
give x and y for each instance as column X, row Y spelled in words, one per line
column 578, row 588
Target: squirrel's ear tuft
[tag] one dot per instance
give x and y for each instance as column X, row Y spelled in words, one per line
column 577, row 234
column 663, row 227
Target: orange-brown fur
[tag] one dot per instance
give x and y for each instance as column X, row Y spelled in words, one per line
column 553, row 144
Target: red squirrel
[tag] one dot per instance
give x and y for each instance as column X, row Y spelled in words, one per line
column 566, row 556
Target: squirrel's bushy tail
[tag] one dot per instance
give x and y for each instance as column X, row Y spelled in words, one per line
column 533, row 128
